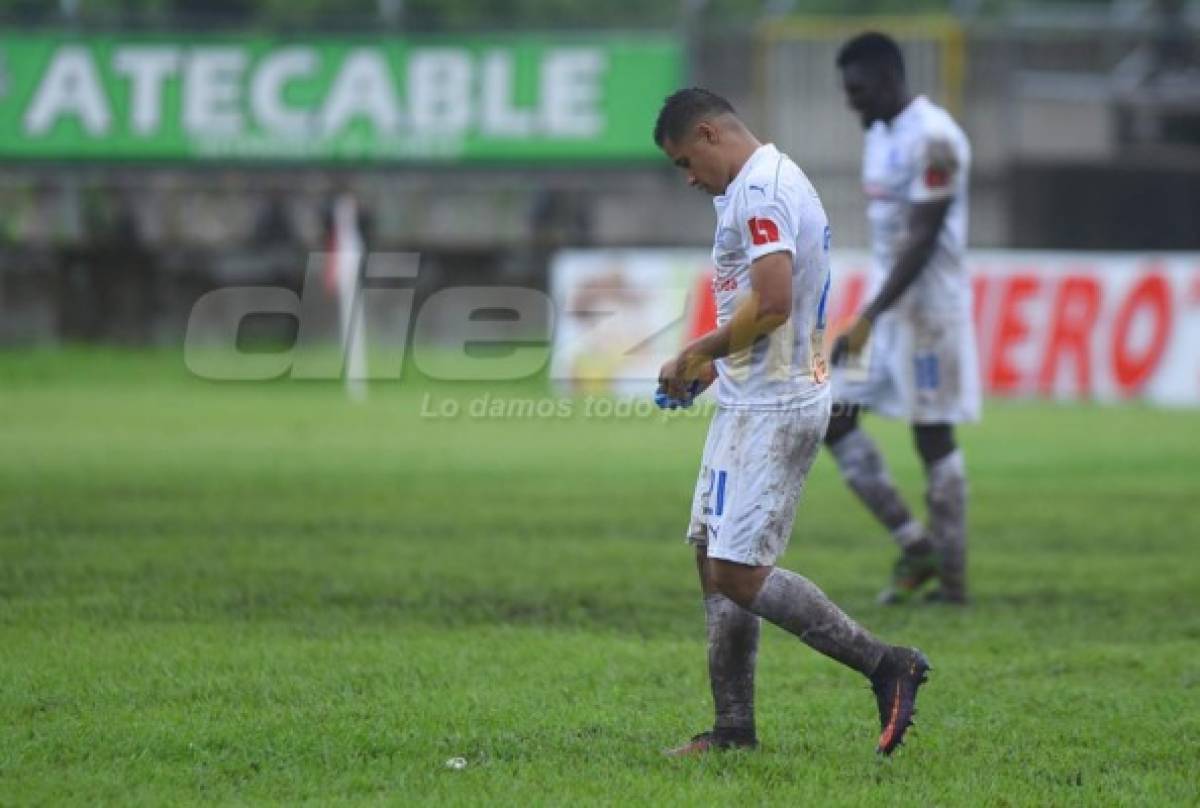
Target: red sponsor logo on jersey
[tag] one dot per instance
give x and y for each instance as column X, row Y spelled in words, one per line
column 720, row 284
column 763, row 231
column 937, row 177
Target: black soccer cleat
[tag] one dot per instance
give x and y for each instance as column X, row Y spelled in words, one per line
column 915, row 568
column 895, row 682
column 946, row 597
column 713, row 741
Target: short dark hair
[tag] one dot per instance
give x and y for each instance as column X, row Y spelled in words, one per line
column 873, row 49
column 681, row 109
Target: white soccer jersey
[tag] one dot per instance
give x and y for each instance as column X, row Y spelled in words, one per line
column 921, row 155
column 772, row 207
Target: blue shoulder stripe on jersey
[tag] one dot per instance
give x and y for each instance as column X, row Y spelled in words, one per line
column 824, row 300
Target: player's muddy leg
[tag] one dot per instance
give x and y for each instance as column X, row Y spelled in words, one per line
column 797, row 605
column 865, row 472
column 732, row 654
column 946, row 496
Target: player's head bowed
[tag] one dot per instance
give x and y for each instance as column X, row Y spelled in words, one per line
column 701, row 133
column 872, row 69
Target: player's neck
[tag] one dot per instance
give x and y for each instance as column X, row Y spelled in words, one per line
column 742, row 152
column 903, row 99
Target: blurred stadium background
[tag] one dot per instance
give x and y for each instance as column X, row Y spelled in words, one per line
column 260, row 593
column 117, row 212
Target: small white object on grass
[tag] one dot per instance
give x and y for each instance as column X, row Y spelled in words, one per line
column 456, row 763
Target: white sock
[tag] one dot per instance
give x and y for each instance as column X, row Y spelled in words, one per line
column 946, row 495
column 732, row 653
column 863, row 469
column 796, row 604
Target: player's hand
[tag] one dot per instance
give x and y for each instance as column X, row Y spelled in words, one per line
column 666, row 402
column 851, row 342
column 708, row 375
column 677, row 374
column 669, row 382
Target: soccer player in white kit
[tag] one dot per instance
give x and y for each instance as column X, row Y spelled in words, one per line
column 771, row 254
column 912, row 346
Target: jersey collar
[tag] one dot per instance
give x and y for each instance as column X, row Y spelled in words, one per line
column 763, row 152
column 909, row 111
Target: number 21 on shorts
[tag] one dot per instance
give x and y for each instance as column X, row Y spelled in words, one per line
column 714, row 495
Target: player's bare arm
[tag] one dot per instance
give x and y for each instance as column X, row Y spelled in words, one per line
column 765, row 308
column 924, row 223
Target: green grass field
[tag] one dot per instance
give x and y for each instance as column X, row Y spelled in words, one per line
column 255, row 593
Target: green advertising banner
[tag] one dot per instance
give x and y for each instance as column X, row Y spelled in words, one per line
column 386, row 99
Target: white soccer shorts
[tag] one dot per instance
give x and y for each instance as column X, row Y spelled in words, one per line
column 751, row 477
column 923, row 369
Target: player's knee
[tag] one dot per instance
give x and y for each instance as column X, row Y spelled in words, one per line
column 934, row 441
column 702, row 567
column 738, row 582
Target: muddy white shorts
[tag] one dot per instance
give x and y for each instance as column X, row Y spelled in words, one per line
column 920, row 368
column 751, row 477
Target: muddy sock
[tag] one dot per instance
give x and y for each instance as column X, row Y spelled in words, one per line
column 862, row 467
column 946, row 496
column 732, row 653
column 795, row 604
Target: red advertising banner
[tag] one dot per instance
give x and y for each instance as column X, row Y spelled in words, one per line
column 1062, row 325
column 1098, row 326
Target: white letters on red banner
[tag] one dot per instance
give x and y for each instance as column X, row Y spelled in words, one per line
column 1061, row 325
column 1099, row 326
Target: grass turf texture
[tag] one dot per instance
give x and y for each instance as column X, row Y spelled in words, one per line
column 261, row 593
